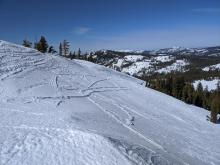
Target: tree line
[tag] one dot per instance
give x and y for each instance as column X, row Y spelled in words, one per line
column 41, row 45
column 179, row 88
column 64, row 48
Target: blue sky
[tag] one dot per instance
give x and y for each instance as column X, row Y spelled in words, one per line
column 113, row 24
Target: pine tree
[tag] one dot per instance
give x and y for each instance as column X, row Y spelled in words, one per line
column 178, row 84
column 66, row 47
column 42, row 45
column 206, row 96
column 61, row 49
column 215, row 109
column 27, row 43
column 187, row 93
column 73, row 55
column 169, row 84
column 79, row 54
column 190, row 92
column 198, row 95
column 199, row 87
column 51, row 50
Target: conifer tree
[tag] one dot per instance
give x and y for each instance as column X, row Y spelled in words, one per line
column 73, row 55
column 79, row 54
column 51, row 50
column 61, row 49
column 206, row 96
column 190, row 91
column 215, row 109
column 66, row 47
column 169, row 84
column 42, row 45
column 27, row 43
column 198, row 95
column 178, row 84
column 185, row 93
column 199, row 87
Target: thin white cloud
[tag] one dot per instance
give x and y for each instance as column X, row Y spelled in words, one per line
column 81, row 30
column 207, row 10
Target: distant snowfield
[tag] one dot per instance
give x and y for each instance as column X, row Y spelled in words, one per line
column 137, row 67
column 213, row 67
column 133, row 58
column 178, row 66
column 210, row 84
column 57, row 111
column 163, row 58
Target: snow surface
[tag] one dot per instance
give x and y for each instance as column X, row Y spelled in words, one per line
column 119, row 63
column 57, row 111
column 177, row 66
column 163, row 58
column 137, row 67
column 137, row 64
column 210, row 84
column 129, row 51
column 133, row 58
column 213, row 67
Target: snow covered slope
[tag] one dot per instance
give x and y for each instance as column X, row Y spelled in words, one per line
column 213, row 67
column 210, row 84
column 57, row 111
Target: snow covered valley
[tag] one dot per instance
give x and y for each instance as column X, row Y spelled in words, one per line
column 71, row 112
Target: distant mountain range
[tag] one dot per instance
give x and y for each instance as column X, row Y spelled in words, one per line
column 213, row 51
column 162, row 61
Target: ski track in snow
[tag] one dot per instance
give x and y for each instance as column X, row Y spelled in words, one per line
column 124, row 124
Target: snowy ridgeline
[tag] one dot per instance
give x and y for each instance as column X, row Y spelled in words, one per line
column 137, row 65
column 57, row 111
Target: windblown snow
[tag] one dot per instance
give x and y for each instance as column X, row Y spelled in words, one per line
column 57, row 111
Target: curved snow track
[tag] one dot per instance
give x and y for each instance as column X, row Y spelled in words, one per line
column 57, row 111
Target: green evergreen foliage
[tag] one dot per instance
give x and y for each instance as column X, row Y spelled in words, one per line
column 61, row 49
column 72, row 55
column 198, row 96
column 178, row 85
column 64, row 48
column 51, row 50
column 187, row 93
column 215, row 109
column 79, row 54
column 42, row 45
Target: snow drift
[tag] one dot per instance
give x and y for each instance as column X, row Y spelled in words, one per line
column 57, row 111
